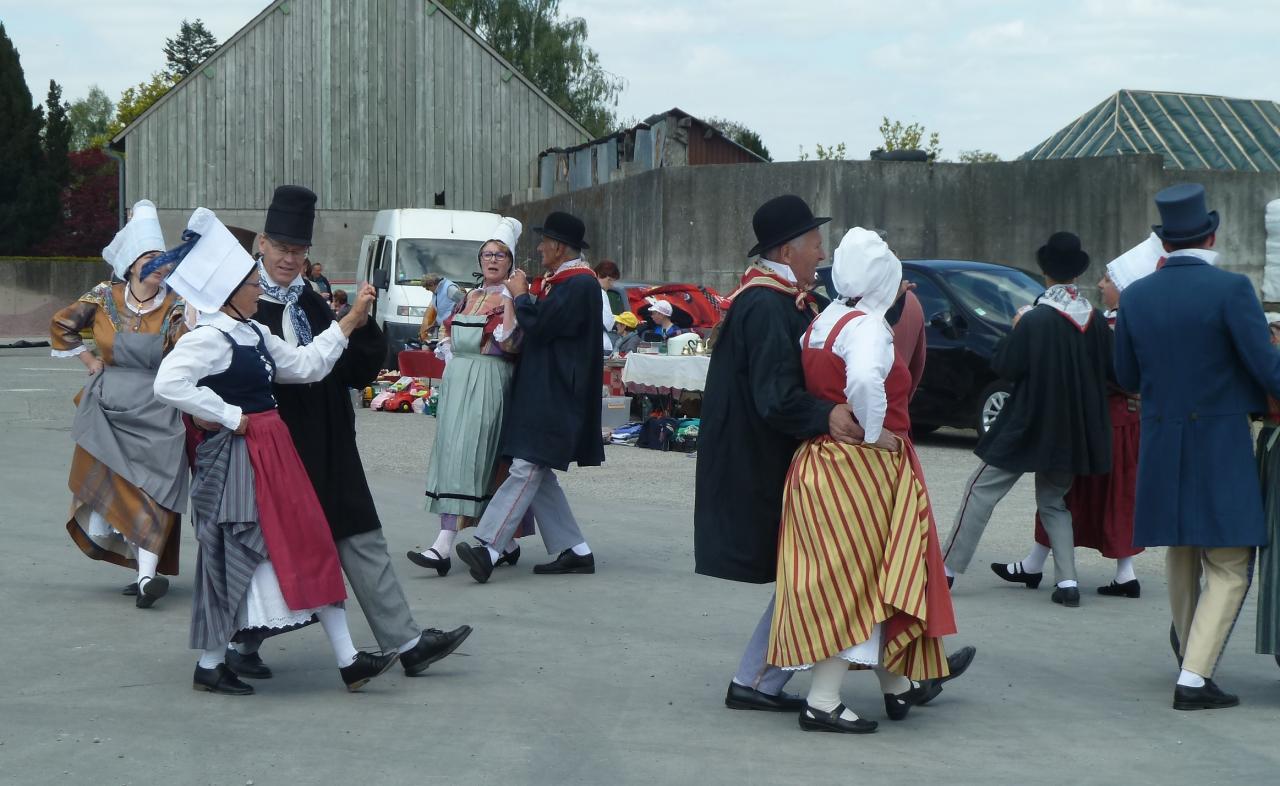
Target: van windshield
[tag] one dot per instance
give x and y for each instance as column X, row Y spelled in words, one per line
column 453, row 259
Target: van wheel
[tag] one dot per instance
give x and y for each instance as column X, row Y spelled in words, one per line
column 990, row 404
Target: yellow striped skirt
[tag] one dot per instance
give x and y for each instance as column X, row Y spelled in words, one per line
column 851, row 554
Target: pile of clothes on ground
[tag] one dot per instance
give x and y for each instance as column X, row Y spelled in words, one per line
column 659, row 432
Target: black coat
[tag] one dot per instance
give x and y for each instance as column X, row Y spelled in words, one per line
column 322, row 422
column 755, row 412
column 554, row 415
column 1057, row 417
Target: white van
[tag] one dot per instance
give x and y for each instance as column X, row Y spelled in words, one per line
column 407, row 244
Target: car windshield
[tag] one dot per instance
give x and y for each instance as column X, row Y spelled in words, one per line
column 453, row 259
column 995, row 294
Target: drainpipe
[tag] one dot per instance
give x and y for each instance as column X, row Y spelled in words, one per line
column 119, row 159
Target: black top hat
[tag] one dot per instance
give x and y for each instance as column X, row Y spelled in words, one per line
column 292, row 215
column 1061, row 258
column 566, row 228
column 781, row 219
column 1183, row 215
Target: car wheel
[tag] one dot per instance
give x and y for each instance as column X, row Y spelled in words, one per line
column 990, row 404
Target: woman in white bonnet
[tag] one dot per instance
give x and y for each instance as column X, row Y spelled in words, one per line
column 860, row 576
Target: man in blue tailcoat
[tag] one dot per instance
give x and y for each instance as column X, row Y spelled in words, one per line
column 1193, row 340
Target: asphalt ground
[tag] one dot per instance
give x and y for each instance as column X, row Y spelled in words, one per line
column 615, row 678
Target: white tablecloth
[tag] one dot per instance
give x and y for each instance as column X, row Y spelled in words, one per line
column 665, row 373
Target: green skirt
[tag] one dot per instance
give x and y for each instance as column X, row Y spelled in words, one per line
column 1268, row 637
column 469, row 416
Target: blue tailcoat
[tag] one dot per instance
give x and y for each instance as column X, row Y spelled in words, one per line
column 1192, row 339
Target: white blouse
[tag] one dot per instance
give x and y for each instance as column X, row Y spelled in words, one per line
column 204, row 351
column 865, row 345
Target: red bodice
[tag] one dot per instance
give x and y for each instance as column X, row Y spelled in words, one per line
column 824, row 377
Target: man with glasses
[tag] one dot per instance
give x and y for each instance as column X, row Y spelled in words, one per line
column 322, row 423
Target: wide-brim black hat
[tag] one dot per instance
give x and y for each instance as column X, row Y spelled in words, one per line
column 565, row 227
column 292, row 215
column 781, row 219
column 1062, row 258
column 1184, row 217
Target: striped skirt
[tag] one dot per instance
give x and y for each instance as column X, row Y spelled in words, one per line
column 853, row 553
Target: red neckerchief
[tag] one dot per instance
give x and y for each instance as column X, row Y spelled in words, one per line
column 759, row 276
column 542, row 287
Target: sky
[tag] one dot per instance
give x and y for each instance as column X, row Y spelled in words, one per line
column 991, row 75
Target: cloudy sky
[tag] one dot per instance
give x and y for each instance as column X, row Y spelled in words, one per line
column 998, row 75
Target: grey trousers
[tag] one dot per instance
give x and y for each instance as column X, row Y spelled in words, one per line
column 529, row 487
column 367, row 564
column 754, row 671
column 986, row 487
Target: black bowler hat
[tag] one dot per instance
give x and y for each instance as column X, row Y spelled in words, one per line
column 292, row 215
column 1062, row 258
column 781, row 219
column 1183, row 215
column 566, row 228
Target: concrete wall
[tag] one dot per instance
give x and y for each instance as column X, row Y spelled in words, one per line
column 694, row 223
column 33, row 290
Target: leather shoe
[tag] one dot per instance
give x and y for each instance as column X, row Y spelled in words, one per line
column 250, row 666
column 897, row 705
column 568, row 562
column 957, row 664
column 431, row 559
column 740, row 697
column 150, row 591
column 1067, row 596
column 1207, row 697
column 509, row 557
column 219, row 679
column 477, row 559
column 365, row 667
column 130, row 589
column 432, row 645
column 1129, row 589
column 1017, row 575
column 817, row 720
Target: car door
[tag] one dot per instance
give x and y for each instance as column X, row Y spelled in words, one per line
column 943, row 395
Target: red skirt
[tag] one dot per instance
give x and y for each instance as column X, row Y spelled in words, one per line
column 1102, row 505
column 297, row 534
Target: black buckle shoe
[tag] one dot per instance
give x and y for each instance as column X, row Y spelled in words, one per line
column 249, row 666
column 130, row 589
column 897, row 705
column 817, row 720
column 567, row 562
column 219, row 679
column 740, row 697
column 1129, row 589
column 1207, row 697
column 433, row 645
column 150, row 591
column 1067, row 596
column 477, row 559
column 423, row 559
column 509, row 557
column 1017, row 575
column 365, row 667
column 957, row 664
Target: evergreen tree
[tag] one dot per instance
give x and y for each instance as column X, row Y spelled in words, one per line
column 192, row 46
column 57, row 136
column 28, row 197
column 89, row 117
column 742, row 135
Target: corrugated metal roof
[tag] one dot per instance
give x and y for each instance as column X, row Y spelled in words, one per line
column 1191, row 131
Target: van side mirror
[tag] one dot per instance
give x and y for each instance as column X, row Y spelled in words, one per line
column 381, row 279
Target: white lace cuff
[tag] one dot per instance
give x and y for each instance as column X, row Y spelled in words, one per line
column 68, row 353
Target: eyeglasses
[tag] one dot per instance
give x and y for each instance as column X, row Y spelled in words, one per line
column 493, row 256
column 297, row 252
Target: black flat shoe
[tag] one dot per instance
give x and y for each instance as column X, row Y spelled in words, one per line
column 1017, row 575
column 897, row 705
column 817, row 720
column 130, row 589
column 1067, row 596
column 219, row 679
column 1129, row 589
column 249, row 666
column 477, row 559
column 509, row 558
column 740, row 697
column 567, row 562
column 366, row 666
column 1207, row 697
column 150, row 591
column 433, row 645
column 423, row 559
column 957, row 664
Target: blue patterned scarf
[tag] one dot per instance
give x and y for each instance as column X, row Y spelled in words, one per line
column 289, row 296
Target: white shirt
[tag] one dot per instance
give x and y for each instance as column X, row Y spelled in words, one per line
column 606, row 316
column 865, row 345
column 204, row 351
column 1203, row 254
column 783, row 270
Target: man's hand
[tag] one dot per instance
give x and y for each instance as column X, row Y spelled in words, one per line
column 903, row 288
column 243, row 428
column 356, row 318
column 843, row 427
column 888, row 441
column 518, row 284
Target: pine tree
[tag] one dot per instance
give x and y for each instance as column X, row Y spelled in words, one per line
column 28, row 196
column 189, row 49
column 57, row 136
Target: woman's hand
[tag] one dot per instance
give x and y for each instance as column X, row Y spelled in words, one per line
column 243, row 428
column 888, row 441
column 206, row 425
column 91, row 362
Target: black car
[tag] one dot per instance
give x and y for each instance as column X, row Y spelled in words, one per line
column 968, row 308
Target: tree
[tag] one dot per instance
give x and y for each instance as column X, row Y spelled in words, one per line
column 57, row 136
column 192, row 46
column 90, row 205
column 899, row 137
column 138, row 99
column 742, row 135
column 28, row 196
column 90, row 117
column 551, row 52
column 977, row 157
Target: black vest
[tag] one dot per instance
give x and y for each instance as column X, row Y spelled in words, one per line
column 247, row 381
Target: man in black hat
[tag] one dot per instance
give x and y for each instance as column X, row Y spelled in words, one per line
column 322, row 423
column 1055, row 424
column 553, row 417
